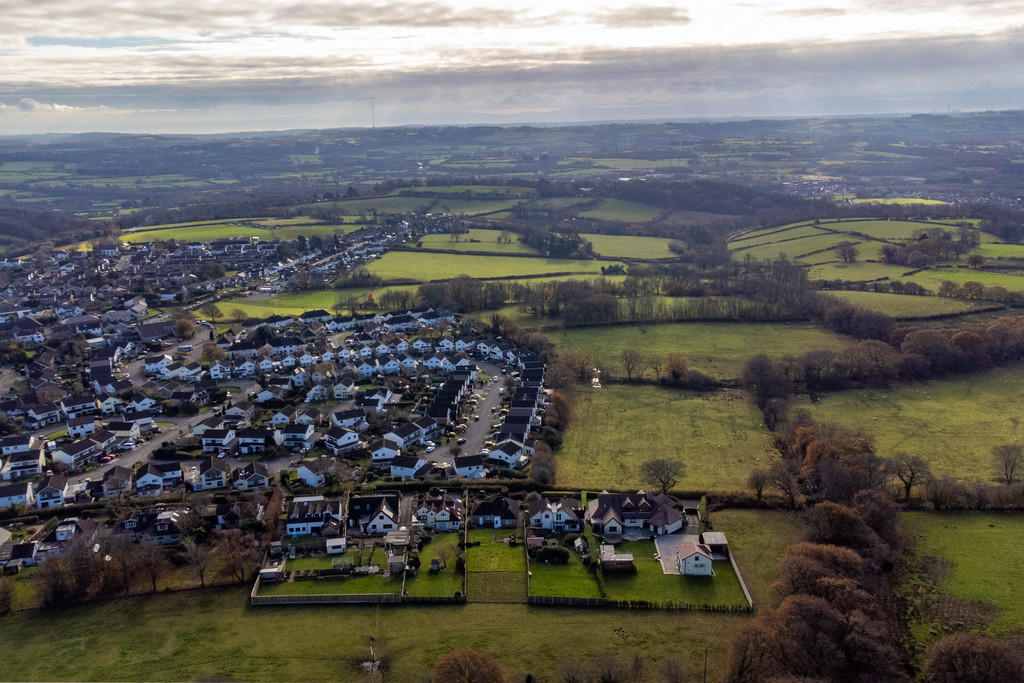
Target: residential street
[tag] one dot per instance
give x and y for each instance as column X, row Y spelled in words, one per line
column 477, row 433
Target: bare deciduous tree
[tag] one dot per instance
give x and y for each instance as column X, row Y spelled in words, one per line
column 911, row 471
column 1008, row 459
column 664, row 472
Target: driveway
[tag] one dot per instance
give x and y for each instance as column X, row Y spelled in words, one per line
column 667, row 548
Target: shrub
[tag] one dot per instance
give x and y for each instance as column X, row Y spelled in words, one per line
column 553, row 554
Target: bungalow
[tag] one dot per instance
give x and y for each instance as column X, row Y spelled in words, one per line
column 499, row 512
column 314, row 515
column 253, row 476
column 442, row 513
column 694, row 559
column 213, row 474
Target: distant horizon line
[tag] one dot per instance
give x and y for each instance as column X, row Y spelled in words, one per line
column 527, row 124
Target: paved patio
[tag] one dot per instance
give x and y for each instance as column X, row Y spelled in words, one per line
column 666, row 546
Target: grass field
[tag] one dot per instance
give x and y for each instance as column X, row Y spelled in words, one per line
column 718, row 349
column 220, row 230
column 992, row 250
column 952, row 424
column 571, row 580
column 624, row 211
column 903, row 305
column 477, row 240
column 446, row 582
column 858, row 271
column 616, row 428
column 432, row 266
column 933, row 278
column 494, row 555
column 626, row 246
column 987, row 561
column 294, row 303
column 756, row 541
column 214, row 635
column 651, row 584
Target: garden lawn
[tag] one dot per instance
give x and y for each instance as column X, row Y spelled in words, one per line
column 649, row 583
column 627, row 246
column 571, row 580
column 717, row 349
column 987, row 559
column 495, row 556
column 952, row 424
column 446, row 582
column 718, row 435
column 354, row 586
column 906, row 306
column 433, row 266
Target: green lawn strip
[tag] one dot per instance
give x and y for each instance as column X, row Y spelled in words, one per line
column 649, row 583
column 719, row 436
column 209, row 635
column 717, row 349
column 352, row 586
column 446, row 582
column 571, row 580
column 904, row 305
column 499, row 587
column 986, row 555
column 952, row 424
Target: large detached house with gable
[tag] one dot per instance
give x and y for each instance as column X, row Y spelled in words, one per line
column 314, row 515
column 644, row 512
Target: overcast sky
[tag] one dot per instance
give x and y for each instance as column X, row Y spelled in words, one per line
column 233, row 65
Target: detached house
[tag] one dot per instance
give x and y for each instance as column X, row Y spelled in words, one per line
column 251, row 477
column 500, row 512
column 653, row 513
column 314, row 515
column 213, row 474
column 51, row 491
column 443, row 513
column 556, row 516
column 373, row 514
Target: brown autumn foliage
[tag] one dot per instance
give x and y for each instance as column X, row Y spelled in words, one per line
column 972, row 657
column 468, row 666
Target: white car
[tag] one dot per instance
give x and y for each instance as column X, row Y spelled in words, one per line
column 430, row 449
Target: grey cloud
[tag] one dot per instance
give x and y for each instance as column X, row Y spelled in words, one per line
column 642, row 16
column 801, row 79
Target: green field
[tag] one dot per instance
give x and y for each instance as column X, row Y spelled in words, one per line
column 987, row 562
column 621, row 210
column 933, row 278
column 627, row 246
column 433, row 266
column 993, row 250
column 823, row 244
column 651, row 584
column 477, row 240
column 756, row 541
column 718, row 349
column 294, row 303
column 952, row 424
column 858, row 271
column 214, row 635
column 719, row 436
column 220, row 230
column 906, row 306
column 895, row 200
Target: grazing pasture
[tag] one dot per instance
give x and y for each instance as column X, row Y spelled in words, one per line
column 718, row 349
column 952, row 424
column 718, row 435
column 627, row 246
column 434, row 266
column 904, row 305
column 967, row 545
column 476, row 240
column 622, row 211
